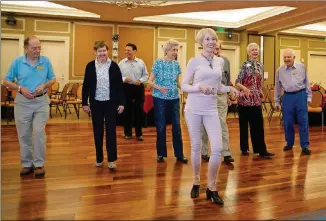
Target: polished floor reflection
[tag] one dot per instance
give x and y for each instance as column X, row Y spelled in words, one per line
column 75, row 189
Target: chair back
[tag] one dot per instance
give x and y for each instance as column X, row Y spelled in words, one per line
column 317, row 99
column 4, row 93
column 55, row 87
column 74, row 89
column 271, row 96
column 64, row 92
column 79, row 92
column 265, row 93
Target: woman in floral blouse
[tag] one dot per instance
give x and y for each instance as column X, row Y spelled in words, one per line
column 250, row 81
column 165, row 81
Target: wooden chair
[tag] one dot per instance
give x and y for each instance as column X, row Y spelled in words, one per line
column 272, row 104
column 265, row 98
column 72, row 100
column 316, row 105
column 61, row 100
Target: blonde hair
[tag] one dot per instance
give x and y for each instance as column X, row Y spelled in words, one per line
column 169, row 45
column 203, row 32
column 251, row 45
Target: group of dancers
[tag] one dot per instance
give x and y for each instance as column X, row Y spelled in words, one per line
column 110, row 88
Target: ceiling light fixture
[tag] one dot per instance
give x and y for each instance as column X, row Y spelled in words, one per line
column 135, row 4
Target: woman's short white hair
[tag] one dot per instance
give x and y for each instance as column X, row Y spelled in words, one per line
column 169, row 45
column 252, row 45
column 203, row 32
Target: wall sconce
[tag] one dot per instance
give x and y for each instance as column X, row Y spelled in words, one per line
column 115, row 39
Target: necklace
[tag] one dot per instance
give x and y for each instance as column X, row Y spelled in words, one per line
column 209, row 61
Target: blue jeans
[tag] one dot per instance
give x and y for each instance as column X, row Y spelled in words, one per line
column 295, row 105
column 161, row 106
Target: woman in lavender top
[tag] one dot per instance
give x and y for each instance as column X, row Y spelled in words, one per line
column 205, row 72
column 164, row 79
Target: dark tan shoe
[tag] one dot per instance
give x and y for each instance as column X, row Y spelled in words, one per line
column 26, row 170
column 39, row 172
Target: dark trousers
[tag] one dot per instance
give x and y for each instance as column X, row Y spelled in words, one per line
column 254, row 116
column 161, row 106
column 295, row 105
column 134, row 109
column 104, row 111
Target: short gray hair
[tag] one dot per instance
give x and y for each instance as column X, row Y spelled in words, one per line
column 251, row 45
column 169, row 45
column 289, row 50
column 203, row 32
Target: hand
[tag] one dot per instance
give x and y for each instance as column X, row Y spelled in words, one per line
column 164, row 90
column 246, row 91
column 206, row 89
column 137, row 83
column 277, row 107
column 234, row 92
column 86, row 109
column 40, row 89
column 309, row 102
column 120, row 109
column 127, row 80
column 229, row 102
column 26, row 93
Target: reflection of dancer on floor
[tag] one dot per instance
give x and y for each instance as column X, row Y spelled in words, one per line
column 222, row 108
column 206, row 72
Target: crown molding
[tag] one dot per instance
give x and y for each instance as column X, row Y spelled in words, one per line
column 299, row 31
column 47, row 11
column 204, row 22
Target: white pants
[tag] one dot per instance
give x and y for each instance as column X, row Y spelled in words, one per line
column 222, row 108
column 213, row 129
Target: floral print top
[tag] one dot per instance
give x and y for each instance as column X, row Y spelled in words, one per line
column 251, row 76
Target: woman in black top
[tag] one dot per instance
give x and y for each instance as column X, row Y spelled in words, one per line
column 103, row 88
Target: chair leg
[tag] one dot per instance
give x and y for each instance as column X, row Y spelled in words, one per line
column 50, row 110
column 65, row 106
column 75, row 107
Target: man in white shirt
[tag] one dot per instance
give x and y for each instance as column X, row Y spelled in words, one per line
column 134, row 74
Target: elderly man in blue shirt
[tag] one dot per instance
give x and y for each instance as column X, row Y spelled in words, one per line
column 134, row 74
column 34, row 74
column 292, row 78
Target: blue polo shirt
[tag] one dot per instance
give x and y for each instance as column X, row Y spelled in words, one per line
column 28, row 76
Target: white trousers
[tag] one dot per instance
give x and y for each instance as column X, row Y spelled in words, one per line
column 213, row 129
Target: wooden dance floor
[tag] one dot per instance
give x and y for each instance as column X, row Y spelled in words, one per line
column 74, row 189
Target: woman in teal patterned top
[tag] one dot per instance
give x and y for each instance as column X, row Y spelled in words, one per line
column 165, row 82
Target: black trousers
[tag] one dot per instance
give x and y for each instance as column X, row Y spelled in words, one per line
column 254, row 116
column 134, row 109
column 104, row 111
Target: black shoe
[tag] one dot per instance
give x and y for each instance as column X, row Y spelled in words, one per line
column 245, row 153
column 306, row 151
column 213, row 195
column 182, row 159
column 286, row 148
column 266, row 155
column 205, row 157
column 160, row 159
column 194, row 191
column 127, row 137
column 140, row 138
column 228, row 159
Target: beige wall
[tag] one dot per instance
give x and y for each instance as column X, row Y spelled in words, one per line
column 82, row 35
